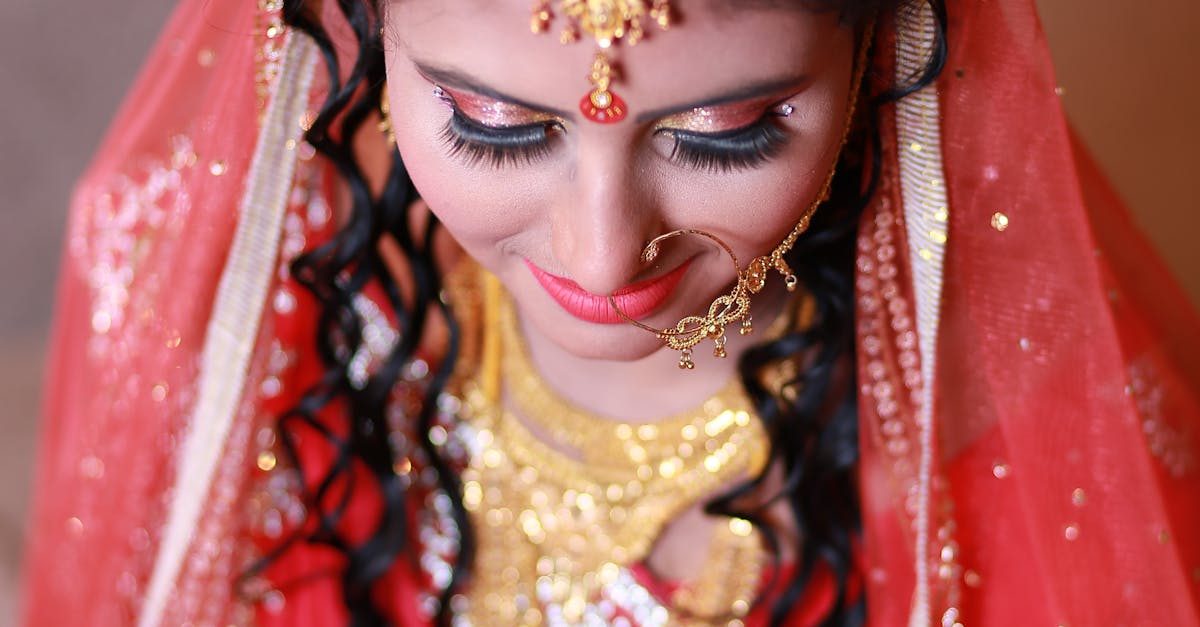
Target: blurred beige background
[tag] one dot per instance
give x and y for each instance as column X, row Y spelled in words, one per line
column 1129, row 70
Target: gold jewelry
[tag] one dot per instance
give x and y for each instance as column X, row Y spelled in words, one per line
column 595, row 440
column 558, row 533
column 727, row 308
column 607, row 21
column 385, row 117
column 735, row 306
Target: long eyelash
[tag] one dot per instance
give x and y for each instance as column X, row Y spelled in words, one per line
column 743, row 148
column 476, row 143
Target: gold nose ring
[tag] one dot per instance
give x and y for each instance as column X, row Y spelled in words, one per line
column 727, row 308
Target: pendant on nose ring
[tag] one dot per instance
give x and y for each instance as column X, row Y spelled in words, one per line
column 601, row 104
column 725, row 310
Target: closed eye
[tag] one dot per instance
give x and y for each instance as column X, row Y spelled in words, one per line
column 742, row 148
column 476, row 142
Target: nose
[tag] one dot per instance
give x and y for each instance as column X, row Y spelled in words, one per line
column 599, row 229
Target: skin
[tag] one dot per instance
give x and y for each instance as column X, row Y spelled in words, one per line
column 585, row 208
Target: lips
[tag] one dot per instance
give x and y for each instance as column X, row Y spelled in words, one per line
column 637, row 300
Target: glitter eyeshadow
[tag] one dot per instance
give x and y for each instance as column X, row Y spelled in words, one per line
column 491, row 112
column 718, row 118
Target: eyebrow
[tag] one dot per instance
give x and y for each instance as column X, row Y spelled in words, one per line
column 460, row 80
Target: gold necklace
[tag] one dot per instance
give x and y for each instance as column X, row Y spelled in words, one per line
column 661, row 444
column 557, row 534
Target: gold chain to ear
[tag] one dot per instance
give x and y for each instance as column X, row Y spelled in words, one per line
column 756, row 273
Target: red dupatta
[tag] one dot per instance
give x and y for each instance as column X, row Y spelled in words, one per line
column 1061, row 481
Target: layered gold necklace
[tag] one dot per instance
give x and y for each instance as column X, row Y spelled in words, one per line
column 563, row 510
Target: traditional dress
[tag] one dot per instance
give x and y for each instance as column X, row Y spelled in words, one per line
column 1028, row 370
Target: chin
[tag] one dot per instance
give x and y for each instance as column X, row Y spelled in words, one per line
column 587, row 340
column 636, row 348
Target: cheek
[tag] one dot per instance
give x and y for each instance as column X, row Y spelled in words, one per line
column 478, row 206
column 753, row 211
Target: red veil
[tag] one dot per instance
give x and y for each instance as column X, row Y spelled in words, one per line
column 1047, row 475
column 1060, row 471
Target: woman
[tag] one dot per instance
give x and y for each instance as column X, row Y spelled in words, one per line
column 965, row 413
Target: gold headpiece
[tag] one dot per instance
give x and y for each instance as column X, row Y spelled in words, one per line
column 608, row 21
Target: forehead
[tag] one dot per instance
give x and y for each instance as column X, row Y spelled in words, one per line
column 713, row 45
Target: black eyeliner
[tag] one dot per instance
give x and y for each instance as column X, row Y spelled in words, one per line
column 476, row 142
column 742, row 148
column 736, row 149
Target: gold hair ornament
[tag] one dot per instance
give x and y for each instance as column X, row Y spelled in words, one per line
column 735, row 306
column 607, row 21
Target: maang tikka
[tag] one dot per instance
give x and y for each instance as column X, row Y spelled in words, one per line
column 735, row 306
column 608, row 21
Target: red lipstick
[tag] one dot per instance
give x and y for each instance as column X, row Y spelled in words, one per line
column 637, row 300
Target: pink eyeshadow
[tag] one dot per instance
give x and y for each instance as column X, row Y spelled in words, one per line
column 718, row 118
column 492, row 112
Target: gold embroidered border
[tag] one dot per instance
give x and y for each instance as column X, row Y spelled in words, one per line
column 926, row 213
column 234, row 324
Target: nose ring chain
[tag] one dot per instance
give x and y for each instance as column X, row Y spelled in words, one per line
column 725, row 309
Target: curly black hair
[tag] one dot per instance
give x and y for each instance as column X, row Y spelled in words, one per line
column 814, row 433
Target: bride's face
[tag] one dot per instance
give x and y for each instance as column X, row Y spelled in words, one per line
column 486, row 116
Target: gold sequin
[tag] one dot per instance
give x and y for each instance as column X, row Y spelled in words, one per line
column 159, row 392
column 266, row 461
column 740, row 527
column 915, row 147
column 1078, row 497
column 999, row 221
